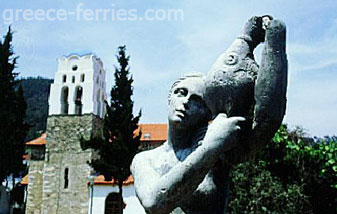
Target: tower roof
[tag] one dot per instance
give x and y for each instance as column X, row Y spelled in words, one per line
column 77, row 56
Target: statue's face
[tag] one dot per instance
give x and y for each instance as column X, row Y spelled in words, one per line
column 187, row 108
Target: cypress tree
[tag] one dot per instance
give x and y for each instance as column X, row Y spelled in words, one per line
column 13, row 128
column 119, row 144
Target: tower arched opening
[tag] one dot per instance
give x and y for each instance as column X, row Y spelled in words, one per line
column 64, row 100
column 78, row 100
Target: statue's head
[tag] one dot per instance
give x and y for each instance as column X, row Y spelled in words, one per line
column 187, row 107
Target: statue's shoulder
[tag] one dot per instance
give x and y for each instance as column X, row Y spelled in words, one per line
column 145, row 159
column 148, row 155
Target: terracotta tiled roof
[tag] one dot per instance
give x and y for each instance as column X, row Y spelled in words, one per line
column 24, row 180
column 150, row 132
column 38, row 141
column 99, row 180
column 153, row 132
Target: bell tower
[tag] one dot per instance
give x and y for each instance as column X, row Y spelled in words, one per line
column 79, row 86
column 76, row 109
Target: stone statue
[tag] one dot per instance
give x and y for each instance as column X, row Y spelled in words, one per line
column 246, row 103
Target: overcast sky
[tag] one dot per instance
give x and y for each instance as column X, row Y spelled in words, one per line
column 162, row 50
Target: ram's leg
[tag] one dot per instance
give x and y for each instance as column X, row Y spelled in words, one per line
column 271, row 84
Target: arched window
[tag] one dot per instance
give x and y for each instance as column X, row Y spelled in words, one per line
column 112, row 204
column 78, row 100
column 74, row 67
column 64, row 78
column 103, row 109
column 64, row 100
column 73, row 79
column 98, row 102
column 82, row 77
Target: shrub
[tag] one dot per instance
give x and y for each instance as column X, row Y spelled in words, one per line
column 293, row 174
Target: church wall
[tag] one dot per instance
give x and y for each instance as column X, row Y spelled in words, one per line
column 100, row 193
column 66, row 162
column 35, row 178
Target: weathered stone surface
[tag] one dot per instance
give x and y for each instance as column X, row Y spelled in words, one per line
column 188, row 174
column 63, row 151
column 35, row 179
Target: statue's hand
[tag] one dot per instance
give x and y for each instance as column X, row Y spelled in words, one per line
column 266, row 21
column 255, row 28
column 275, row 32
column 222, row 131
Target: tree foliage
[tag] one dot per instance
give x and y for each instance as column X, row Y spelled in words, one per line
column 119, row 144
column 294, row 174
column 36, row 91
column 13, row 129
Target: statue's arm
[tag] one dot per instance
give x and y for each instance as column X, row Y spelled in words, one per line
column 160, row 194
column 271, row 85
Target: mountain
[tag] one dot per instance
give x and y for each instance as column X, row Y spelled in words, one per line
column 36, row 91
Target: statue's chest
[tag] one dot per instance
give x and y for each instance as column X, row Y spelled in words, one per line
column 163, row 163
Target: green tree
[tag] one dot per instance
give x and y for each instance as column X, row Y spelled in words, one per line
column 296, row 159
column 119, row 144
column 256, row 190
column 36, row 91
column 13, row 129
column 293, row 174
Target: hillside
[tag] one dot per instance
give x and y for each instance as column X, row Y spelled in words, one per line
column 36, row 91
